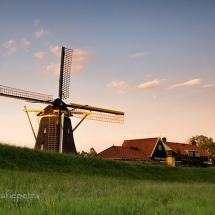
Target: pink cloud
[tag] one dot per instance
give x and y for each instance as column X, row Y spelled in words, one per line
column 55, row 50
column 40, row 33
column 80, row 55
column 117, row 83
column 186, row 84
column 25, row 44
column 209, row 85
column 149, row 84
column 39, row 55
column 137, row 55
column 54, row 68
column 11, row 46
column 76, row 69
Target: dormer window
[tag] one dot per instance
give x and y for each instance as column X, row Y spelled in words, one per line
column 193, row 154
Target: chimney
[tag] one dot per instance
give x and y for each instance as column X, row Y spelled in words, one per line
column 164, row 139
column 194, row 143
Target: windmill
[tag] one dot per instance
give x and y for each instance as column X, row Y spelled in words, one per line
column 55, row 131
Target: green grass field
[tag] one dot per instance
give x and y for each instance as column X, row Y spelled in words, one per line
column 67, row 184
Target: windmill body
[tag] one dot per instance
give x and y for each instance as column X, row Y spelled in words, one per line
column 48, row 135
column 55, row 129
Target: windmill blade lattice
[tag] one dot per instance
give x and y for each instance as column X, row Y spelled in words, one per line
column 25, row 95
column 98, row 116
column 65, row 70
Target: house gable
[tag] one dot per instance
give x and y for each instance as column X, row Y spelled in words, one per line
column 159, row 152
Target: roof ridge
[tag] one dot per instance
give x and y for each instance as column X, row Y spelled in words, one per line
column 155, row 146
column 116, row 151
column 143, row 138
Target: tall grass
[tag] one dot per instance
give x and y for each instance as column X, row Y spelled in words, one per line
column 73, row 194
column 23, row 159
column 68, row 184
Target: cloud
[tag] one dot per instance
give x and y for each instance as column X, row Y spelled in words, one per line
column 117, row 83
column 76, row 69
column 137, row 55
column 149, row 84
column 39, row 55
column 186, row 84
column 11, row 46
column 209, row 85
column 36, row 22
column 40, row 33
column 80, row 55
column 148, row 76
column 25, row 43
column 121, row 91
column 55, row 50
column 54, row 68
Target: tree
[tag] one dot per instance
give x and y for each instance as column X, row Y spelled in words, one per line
column 178, row 155
column 83, row 153
column 203, row 142
column 92, row 152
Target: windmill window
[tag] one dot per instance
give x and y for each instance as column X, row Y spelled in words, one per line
column 44, row 130
column 68, row 131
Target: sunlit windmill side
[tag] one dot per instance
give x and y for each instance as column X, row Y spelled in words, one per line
column 55, row 131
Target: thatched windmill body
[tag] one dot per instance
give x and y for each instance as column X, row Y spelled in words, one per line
column 55, row 131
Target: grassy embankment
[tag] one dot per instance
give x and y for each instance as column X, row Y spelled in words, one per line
column 68, row 184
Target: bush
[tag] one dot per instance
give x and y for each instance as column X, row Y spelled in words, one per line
column 197, row 162
column 213, row 161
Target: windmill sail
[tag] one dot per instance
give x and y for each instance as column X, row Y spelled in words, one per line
column 96, row 113
column 65, row 70
column 25, row 95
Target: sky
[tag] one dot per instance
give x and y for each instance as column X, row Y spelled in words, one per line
column 153, row 59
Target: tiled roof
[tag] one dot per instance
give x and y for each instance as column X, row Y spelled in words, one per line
column 118, row 152
column 147, row 146
column 183, row 148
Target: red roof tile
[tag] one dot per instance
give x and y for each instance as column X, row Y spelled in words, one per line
column 118, row 152
column 183, row 148
column 147, row 146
